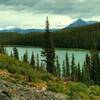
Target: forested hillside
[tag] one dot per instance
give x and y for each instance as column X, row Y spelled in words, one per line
column 81, row 37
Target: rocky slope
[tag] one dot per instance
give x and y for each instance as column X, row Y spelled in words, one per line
column 11, row 91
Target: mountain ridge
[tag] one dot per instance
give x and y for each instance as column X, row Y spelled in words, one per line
column 22, row 30
column 80, row 22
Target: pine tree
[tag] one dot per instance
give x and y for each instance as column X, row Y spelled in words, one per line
column 2, row 49
column 25, row 57
column 63, row 69
column 87, row 67
column 32, row 60
column 37, row 61
column 83, row 74
column 58, row 69
column 48, row 51
column 67, row 69
column 79, row 72
column 73, row 69
column 15, row 53
column 95, row 67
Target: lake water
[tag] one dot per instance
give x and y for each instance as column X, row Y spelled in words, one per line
column 79, row 54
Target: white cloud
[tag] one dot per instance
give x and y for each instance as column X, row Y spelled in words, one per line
column 30, row 20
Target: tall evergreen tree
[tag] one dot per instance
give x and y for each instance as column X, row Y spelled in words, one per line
column 87, row 68
column 25, row 57
column 83, row 73
column 95, row 67
column 15, row 53
column 67, row 69
column 73, row 68
column 58, row 68
column 79, row 72
column 63, row 69
column 37, row 61
column 48, row 51
column 32, row 62
column 2, row 49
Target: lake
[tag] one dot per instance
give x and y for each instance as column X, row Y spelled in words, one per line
column 79, row 54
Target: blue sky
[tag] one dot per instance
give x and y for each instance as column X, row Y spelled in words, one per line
column 32, row 13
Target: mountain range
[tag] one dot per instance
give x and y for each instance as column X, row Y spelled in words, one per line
column 79, row 22
column 22, row 30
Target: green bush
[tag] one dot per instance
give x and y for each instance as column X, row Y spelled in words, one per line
column 47, row 77
column 94, row 90
column 56, row 87
column 17, row 75
column 77, row 90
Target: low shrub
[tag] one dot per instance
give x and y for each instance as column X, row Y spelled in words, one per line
column 76, row 90
column 56, row 87
column 47, row 77
column 94, row 90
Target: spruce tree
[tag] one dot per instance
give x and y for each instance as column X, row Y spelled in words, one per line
column 25, row 57
column 2, row 49
column 48, row 51
column 63, row 69
column 83, row 74
column 87, row 68
column 58, row 69
column 37, row 61
column 95, row 67
column 73, row 69
column 32, row 62
column 15, row 53
column 79, row 72
column 67, row 69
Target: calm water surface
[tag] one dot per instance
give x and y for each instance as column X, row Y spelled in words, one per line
column 79, row 54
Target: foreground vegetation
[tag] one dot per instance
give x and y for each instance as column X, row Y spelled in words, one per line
column 23, row 73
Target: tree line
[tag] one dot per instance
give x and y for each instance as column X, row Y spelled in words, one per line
column 81, row 37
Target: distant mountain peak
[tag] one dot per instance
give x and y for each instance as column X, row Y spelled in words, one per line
column 81, row 22
column 78, row 22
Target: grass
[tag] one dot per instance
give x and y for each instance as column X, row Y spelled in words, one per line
column 19, row 68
